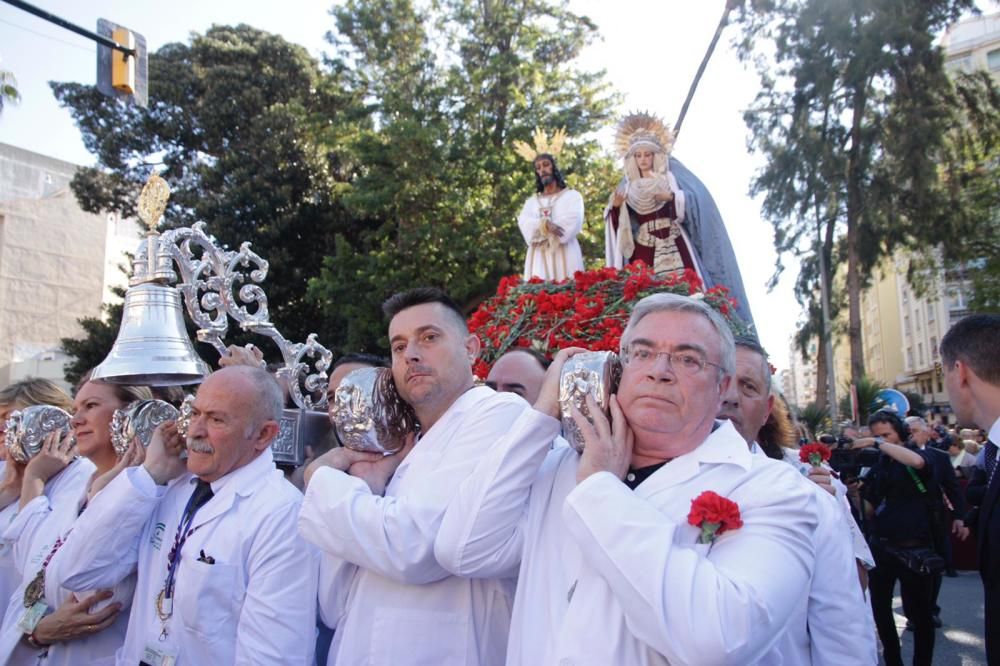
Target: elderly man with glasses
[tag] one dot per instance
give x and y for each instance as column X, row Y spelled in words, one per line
column 614, row 563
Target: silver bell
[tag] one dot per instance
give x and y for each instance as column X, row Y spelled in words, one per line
column 152, row 347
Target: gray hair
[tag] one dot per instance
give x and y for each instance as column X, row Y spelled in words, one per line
column 266, row 400
column 916, row 421
column 677, row 303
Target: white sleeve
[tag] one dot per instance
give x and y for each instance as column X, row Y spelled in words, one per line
column 680, row 199
column 394, row 535
column 568, row 215
column 726, row 607
column 19, row 534
column 837, row 607
column 527, row 220
column 481, row 533
column 103, row 547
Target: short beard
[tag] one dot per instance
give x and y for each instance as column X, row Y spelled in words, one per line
column 547, row 179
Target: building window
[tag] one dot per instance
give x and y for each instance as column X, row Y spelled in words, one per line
column 920, row 352
column 959, row 64
column 993, row 60
column 934, row 347
column 909, row 358
column 906, row 325
column 940, row 386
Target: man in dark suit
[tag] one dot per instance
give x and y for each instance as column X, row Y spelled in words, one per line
column 948, row 497
column 971, row 356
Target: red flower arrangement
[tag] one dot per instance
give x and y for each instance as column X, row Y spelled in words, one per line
column 714, row 514
column 589, row 311
column 815, row 454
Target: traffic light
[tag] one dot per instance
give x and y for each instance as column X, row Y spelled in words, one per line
column 120, row 74
column 122, row 65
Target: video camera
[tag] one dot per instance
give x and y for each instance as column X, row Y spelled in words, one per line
column 850, row 464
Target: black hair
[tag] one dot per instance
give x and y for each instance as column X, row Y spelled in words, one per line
column 534, row 353
column 893, row 419
column 975, row 340
column 556, row 173
column 419, row 296
column 362, row 359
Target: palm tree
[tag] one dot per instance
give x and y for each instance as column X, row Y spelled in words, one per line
column 8, row 89
column 815, row 418
column 868, row 400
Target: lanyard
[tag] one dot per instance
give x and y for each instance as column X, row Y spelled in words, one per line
column 165, row 599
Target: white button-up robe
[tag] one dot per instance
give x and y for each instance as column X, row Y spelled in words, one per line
column 381, row 586
column 608, row 575
column 33, row 533
column 254, row 605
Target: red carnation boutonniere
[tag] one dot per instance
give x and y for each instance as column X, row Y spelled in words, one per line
column 815, row 454
column 714, row 514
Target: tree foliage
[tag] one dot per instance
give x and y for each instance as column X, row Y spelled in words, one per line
column 8, row 89
column 449, row 88
column 386, row 166
column 852, row 116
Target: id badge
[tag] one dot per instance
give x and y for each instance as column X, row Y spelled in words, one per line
column 31, row 617
column 159, row 655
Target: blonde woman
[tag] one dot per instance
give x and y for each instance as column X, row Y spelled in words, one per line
column 43, row 622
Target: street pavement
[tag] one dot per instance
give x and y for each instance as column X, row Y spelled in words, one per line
column 960, row 642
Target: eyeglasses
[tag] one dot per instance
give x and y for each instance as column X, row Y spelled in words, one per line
column 687, row 362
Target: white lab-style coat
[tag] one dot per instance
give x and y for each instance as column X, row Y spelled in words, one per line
column 9, row 575
column 562, row 261
column 382, row 589
column 836, row 626
column 614, row 576
column 31, row 536
column 245, row 588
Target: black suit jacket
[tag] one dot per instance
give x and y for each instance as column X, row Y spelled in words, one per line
column 984, row 519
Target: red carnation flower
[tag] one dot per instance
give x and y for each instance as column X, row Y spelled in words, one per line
column 815, row 454
column 714, row 514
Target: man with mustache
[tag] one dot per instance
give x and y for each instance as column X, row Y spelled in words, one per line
column 550, row 221
column 610, row 571
column 223, row 576
column 375, row 518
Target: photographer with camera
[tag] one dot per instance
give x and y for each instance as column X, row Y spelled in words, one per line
column 903, row 507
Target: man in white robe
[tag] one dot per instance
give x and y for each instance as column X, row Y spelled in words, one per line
column 609, row 569
column 223, row 577
column 550, row 221
column 375, row 518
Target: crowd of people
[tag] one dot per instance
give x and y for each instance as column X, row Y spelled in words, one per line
column 689, row 530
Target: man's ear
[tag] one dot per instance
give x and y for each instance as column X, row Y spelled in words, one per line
column 472, row 347
column 265, row 435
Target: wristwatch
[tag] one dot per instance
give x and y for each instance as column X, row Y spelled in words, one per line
column 878, row 444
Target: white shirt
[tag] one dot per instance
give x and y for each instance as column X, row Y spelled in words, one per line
column 836, row 605
column 382, row 588
column 31, row 536
column 614, row 576
column 254, row 605
column 567, row 214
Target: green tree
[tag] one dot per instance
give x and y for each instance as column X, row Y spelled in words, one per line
column 243, row 126
column 451, row 85
column 852, row 115
column 8, row 89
